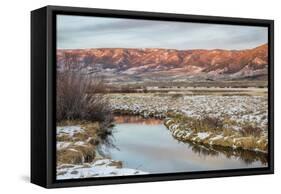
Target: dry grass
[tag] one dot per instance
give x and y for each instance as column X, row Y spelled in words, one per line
column 203, row 124
column 92, row 135
column 69, row 156
column 248, row 138
column 76, row 154
column 117, row 164
column 250, row 130
column 88, row 152
column 64, row 138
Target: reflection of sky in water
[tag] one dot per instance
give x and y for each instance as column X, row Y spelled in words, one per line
column 152, row 148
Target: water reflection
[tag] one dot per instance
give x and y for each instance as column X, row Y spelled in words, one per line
column 107, row 143
column 148, row 145
column 137, row 119
column 248, row 157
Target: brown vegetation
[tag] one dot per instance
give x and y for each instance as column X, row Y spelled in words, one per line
column 81, row 101
column 92, row 135
column 248, row 130
column 206, row 123
column 217, row 132
column 80, row 96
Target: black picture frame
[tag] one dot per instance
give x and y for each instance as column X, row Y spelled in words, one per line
column 43, row 91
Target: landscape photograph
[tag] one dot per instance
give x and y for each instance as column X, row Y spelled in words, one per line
column 139, row 97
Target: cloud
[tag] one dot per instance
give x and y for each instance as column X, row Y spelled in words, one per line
column 100, row 32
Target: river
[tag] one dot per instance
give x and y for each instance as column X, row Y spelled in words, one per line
column 147, row 145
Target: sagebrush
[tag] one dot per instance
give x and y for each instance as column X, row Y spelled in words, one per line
column 80, row 96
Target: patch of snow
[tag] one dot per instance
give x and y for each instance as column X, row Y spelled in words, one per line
column 69, row 130
column 63, row 144
column 80, row 143
column 203, row 135
column 216, row 137
column 188, row 112
column 100, row 168
column 74, row 150
column 168, row 122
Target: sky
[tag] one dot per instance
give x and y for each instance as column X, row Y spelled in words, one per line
column 80, row 32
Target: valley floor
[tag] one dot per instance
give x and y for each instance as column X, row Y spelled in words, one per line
column 226, row 121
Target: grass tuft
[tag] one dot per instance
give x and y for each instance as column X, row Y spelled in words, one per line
column 250, row 130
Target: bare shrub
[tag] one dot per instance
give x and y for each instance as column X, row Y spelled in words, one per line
column 80, row 96
column 250, row 130
column 206, row 123
column 212, row 123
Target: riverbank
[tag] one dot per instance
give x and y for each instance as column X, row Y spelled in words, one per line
column 78, row 155
column 147, row 145
column 242, row 119
column 212, row 131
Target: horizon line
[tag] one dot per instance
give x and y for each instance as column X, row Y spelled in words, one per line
column 151, row 48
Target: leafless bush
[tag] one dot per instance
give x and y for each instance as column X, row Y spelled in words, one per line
column 250, row 130
column 80, row 96
column 205, row 123
column 213, row 123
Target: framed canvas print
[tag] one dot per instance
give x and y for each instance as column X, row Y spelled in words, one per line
column 125, row 96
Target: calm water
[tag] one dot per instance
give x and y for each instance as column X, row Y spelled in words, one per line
column 147, row 145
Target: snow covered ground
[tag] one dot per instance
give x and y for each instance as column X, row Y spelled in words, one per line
column 253, row 109
column 69, row 130
column 99, row 168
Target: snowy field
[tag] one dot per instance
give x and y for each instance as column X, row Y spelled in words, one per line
column 240, row 109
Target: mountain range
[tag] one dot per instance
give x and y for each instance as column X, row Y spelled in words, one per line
column 130, row 64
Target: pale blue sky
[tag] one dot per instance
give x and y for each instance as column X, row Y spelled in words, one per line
column 76, row 32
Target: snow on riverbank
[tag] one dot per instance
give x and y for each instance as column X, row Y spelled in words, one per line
column 99, row 168
column 77, row 156
column 230, row 139
column 69, row 130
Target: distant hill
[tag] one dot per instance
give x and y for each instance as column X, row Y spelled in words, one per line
column 124, row 64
